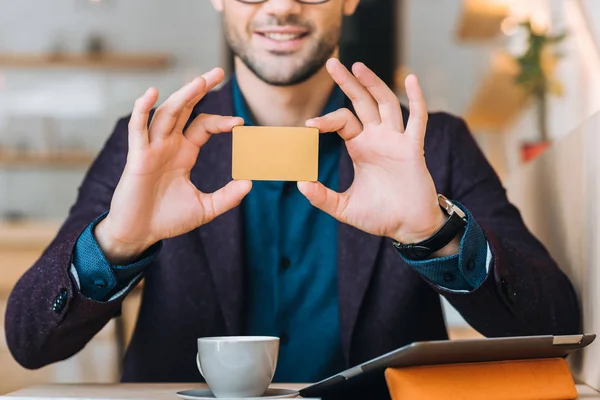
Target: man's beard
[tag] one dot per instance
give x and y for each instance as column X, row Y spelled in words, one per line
column 303, row 70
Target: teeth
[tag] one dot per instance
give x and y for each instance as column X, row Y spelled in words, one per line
column 282, row 37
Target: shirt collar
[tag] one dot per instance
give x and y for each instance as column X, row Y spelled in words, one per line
column 241, row 109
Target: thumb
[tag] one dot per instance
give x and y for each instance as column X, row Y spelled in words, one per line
column 325, row 199
column 224, row 199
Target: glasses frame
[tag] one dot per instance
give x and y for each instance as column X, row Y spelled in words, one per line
column 309, row 2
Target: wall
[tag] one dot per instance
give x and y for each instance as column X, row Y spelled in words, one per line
column 449, row 71
column 81, row 107
column 577, row 71
column 557, row 195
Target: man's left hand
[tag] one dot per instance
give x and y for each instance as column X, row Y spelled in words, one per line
column 393, row 193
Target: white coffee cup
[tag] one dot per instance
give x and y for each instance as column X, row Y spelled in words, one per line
column 238, row 366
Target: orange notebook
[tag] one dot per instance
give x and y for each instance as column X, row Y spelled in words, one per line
column 541, row 379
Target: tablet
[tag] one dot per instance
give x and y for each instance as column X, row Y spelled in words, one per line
column 455, row 352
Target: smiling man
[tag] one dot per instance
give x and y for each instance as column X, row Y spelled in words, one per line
column 342, row 270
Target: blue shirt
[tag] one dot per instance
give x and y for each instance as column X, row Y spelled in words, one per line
column 291, row 255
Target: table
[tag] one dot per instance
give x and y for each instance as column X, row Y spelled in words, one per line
column 151, row 391
column 122, row 391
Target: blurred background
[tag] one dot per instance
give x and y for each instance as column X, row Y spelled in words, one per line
column 524, row 73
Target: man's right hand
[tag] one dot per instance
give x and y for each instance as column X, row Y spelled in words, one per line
column 155, row 198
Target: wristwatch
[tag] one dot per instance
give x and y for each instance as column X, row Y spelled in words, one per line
column 456, row 222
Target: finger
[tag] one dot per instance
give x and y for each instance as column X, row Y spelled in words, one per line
column 389, row 106
column 341, row 121
column 364, row 104
column 417, row 121
column 204, row 125
column 166, row 115
column 325, row 199
column 138, row 123
column 224, row 199
column 212, row 78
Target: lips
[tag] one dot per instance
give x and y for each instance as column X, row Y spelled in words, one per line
column 281, row 38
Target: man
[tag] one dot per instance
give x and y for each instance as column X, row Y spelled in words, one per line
column 338, row 286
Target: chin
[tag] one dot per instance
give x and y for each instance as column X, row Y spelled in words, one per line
column 284, row 79
column 284, row 75
column 282, row 69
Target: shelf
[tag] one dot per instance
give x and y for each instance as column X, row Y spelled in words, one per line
column 85, row 61
column 33, row 160
column 27, row 234
column 21, row 244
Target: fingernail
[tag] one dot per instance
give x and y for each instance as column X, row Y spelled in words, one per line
column 211, row 71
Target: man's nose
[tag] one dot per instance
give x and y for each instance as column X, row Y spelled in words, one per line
column 282, row 7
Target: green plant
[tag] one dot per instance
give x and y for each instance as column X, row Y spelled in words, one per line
column 536, row 74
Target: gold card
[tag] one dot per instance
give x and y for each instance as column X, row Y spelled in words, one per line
column 275, row 153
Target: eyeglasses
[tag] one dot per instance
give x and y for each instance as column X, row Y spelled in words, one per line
column 299, row 1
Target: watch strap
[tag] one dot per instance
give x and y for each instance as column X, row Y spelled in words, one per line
column 440, row 239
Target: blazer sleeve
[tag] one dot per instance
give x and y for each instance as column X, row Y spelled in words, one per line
column 525, row 292
column 47, row 317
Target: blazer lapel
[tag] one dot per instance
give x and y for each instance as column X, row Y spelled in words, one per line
column 222, row 238
column 357, row 253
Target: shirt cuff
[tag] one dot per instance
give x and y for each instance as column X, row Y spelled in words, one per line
column 96, row 278
column 462, row 272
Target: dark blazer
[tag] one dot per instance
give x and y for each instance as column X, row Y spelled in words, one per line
column 196, row 286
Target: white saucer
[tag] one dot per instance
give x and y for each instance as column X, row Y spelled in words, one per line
column 271, row 393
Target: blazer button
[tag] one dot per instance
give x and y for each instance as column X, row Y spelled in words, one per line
column 100, row 283
column 288, row 187
column 448, row 277
column 285, row 263
column 60, row 301
column 470, row 265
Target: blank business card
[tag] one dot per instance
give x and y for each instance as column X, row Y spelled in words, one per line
column 275, row 153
